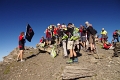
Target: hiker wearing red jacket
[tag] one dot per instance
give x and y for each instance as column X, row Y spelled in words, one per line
column 83, row 32
column 21, row 46
column 48, row 36
column 108, row 46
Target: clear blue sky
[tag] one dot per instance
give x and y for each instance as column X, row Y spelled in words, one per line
column 15, row 14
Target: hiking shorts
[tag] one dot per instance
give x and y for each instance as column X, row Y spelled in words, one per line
column 70, row 45
column 104, row 37
column 21, row 48
column 92, row 39
column 83, row 38
column 49, row 39
column 76, row 42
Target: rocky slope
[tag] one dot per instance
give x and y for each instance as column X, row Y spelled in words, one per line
column 41, row 66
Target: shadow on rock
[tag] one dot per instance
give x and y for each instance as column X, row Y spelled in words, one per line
column 78, row 54
column 33, row 55
column 42, row 51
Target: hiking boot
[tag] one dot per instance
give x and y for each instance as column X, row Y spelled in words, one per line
column 90, row 53
column 94, row 51
column 22, row 60
column 65, row 57
column 75, row 60
column 84, row 49
column 87, row 50
column 115, row 55
column 18, row 60
column 69, row 62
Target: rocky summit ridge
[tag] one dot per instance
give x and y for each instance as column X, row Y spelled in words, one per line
column 39, row 65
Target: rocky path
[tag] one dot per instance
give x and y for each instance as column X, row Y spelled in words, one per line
column 43, row 67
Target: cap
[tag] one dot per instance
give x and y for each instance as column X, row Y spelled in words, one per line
column 58, row 24
column 86, row 22
column 103, row 29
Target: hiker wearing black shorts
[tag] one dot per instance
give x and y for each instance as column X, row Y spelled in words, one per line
column 21, row 46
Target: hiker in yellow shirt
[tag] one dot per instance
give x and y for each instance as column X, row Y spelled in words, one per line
column 104, row 35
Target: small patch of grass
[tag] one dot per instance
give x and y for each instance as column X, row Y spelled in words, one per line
column 31, row 52
column 7, row 69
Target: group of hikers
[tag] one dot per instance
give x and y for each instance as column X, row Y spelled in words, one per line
column 72, row 39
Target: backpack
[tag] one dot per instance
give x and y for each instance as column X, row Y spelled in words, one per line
column 114, row 33
column 93, row 31
column 118, row 32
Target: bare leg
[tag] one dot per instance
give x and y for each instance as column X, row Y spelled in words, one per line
column 18, row 56
column 71, row 53
column 91, row 46
column 74, row 53
column 21, row 55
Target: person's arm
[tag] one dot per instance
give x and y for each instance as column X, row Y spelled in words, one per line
column 21, row 40
column 106, row 32
column 101, row 33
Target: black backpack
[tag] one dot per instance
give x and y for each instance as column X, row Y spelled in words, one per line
column 93, row 31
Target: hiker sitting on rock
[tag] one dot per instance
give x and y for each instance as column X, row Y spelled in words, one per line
column 107, row 46
column 42, row 42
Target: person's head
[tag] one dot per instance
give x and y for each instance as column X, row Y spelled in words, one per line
column 103, row 29
column 116, row 30
column 86, row 23
column 42, row 37
column 58, row 24
column 22, row 33
column 81, row 26
column 69, row 24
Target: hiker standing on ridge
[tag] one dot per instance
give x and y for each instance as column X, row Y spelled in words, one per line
column 48, row 36
column 71, row 45
column 104, row 35
column 91, row 32
column 83, row 32
column 64, row 44
column 21, row 46
column 116, row 35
